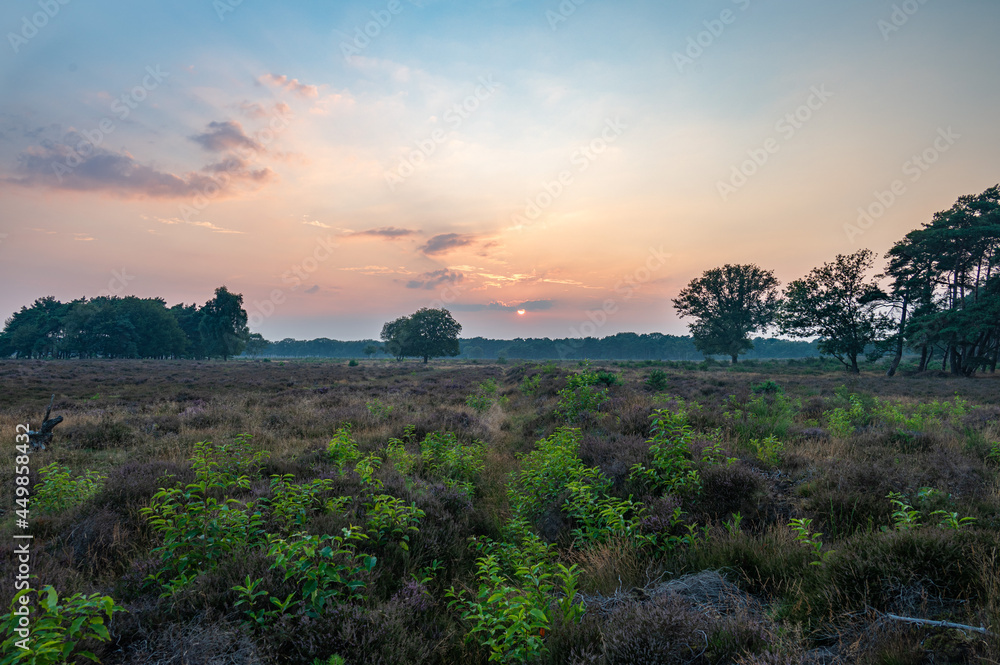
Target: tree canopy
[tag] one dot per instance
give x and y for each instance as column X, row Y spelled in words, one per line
column 126, row 327
column 427, row 333
column 948, row 273
column 839, row 304
column 728, row 305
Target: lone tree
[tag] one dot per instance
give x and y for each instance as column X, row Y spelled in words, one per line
column 223, row 324
column 838, row 304
column 728, row 304
column 428, row 333
column 370, row 350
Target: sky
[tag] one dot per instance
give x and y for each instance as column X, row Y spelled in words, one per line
column 556, row 169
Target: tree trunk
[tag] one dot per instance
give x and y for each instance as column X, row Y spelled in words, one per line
column 425, row 359
column 924, row 359
column 956, row 362
column 854, row 364
column 736, row 358
column 899, row 343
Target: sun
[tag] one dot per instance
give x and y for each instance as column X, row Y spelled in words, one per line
column 520, row 312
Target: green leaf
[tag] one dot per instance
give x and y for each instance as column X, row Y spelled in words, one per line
column 75, row 626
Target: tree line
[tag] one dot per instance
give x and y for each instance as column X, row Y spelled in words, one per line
column 938, row 296
column 622, row 346
column 128, row 327
column 941, row 298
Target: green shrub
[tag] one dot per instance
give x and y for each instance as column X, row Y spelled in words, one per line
column 59, row 491
column 352, row 363
column 511, row 611
column 580, row 397
column 764, row 414
column 321, row 567
column 548, row 470
column 292, row 503
column 396, row 454
column 367, row 467
column 671, row 469
column 804, row 534
column 767, row 387
column 487, row 394
column 854, row 410
column 608, row 379
column 529, row 386
column 391, row 520
column 199, row 531
column 767, row 450
column 600, row 517
column 657, row 380
column 342, row 449
column 58, row 627
column 456, row 464
column 377, row 410
column 227, row 464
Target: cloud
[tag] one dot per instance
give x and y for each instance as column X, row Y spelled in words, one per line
column 292, row 85
column 255, row 111
column 171, row 221
column 499, row 306
column 59, row 165
column 387, row 232
column 313, row 289
column 445, row 242
column 317, row 223
column 430, row 280
column 228, row 135
column 380, row 270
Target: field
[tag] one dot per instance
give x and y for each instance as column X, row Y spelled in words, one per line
column 549, row 513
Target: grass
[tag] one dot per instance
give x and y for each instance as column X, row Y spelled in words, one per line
column 141, row 430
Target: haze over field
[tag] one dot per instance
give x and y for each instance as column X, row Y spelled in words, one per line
column 490, row 157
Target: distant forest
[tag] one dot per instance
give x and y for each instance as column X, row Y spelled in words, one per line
column 623, row 346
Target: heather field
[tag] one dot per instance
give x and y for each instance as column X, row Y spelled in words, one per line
column 453, row 512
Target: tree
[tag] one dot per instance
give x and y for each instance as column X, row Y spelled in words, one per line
column 223, row 325
column 370, row 350
column 729, row 303
column 428, row 333
column 949, row 269
column 836, row 303
column 256, row 345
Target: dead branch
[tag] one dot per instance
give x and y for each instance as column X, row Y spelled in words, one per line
column 43, row 434
column 942, row 624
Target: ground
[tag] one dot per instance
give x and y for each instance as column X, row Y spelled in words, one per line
column 763, row 531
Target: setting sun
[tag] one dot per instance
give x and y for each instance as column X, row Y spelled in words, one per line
column 520, row 312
